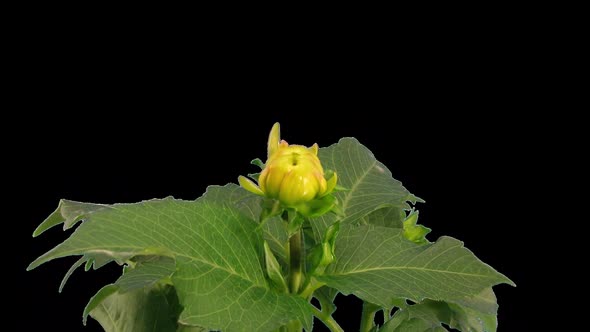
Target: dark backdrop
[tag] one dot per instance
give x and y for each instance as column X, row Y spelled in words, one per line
column 455, row 124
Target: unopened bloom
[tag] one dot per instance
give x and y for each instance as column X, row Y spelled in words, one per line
column 293, row 174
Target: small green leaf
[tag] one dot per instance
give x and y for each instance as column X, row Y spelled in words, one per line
column 412, row 231
column 320, row 257
column 273, row 270
column 322, row 254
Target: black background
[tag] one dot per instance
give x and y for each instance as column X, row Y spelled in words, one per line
column 125, row 126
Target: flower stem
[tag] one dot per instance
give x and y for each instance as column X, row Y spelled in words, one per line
column 327, row 320
column 296, row 261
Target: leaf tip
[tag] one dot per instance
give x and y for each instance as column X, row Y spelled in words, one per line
column 54, row 219
column 34, row 264
column 509, row 282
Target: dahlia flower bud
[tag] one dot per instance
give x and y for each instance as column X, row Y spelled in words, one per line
column 293, row 174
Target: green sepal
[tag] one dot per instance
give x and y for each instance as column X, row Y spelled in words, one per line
column 250, row 185
column 339, row 188
column 328, row 174
column 254, row 176
column 317, row 207
column 258, row 163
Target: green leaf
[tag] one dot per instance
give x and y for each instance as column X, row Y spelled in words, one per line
column 140, row 300
column 151, row 309
column 218, row 252
column 275, row 230
column 378, row 264
column 477, row 313
column 431, row 314
column 274, row 270
column 369, row 184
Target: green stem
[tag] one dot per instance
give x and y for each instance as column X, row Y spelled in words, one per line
column 296, row 262
column 327, row 320
column 368, row 317
column 311, row 287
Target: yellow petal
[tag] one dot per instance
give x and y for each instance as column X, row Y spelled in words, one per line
column 274, row 178
column 262, row 179
column 314, row 148
column 321, row 183
column 273, row 139
column 249, row 185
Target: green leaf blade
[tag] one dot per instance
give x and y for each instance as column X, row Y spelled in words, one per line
column 150, row 309
column 431, row 314
column 218, row 254
column 378, row 264
column 369, row 184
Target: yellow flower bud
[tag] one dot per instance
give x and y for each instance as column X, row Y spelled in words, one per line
column 293, row 174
